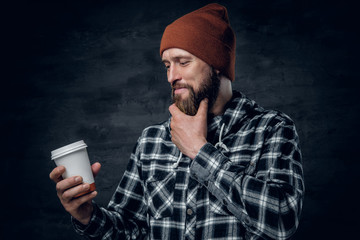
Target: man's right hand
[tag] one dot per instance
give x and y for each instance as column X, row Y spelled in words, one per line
column 80, row 208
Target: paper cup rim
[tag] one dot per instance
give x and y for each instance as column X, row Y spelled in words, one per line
column 67, row 149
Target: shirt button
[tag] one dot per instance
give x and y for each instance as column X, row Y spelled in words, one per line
column 247, row 221
column 189, row 212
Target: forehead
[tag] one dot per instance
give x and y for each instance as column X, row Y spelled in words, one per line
column 176, row 53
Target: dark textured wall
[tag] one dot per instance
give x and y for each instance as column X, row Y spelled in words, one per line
column 90, row 70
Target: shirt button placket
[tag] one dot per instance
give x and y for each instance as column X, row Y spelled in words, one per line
column 190, row 222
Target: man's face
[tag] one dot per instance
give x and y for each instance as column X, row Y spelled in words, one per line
column 191, row 80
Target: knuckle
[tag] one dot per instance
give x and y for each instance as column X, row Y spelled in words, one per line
column 58, row 187
column 53, row 175
column 66, row 195
column 58, row 170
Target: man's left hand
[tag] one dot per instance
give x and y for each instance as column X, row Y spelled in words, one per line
column 189, row 133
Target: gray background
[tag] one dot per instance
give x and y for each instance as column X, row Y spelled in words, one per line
column 91, row 70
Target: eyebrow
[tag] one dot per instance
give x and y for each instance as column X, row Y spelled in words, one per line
column 176, row 58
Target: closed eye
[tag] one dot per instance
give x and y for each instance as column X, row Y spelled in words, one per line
column 184, row 63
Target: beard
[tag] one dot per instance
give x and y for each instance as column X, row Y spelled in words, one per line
column 209, row 89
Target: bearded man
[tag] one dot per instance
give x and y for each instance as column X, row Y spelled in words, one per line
column 221, row 167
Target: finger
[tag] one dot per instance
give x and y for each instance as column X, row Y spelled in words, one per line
column 75, row 191
column 203, row 108
column 174, row 110
column 172, row 125
column 56, row 173
column 65, row 184
column 83, row 199
column 96, row 168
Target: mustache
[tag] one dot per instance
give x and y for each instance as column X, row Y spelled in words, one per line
column 176, row 85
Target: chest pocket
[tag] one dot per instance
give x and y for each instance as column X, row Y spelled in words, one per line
column 160, row 195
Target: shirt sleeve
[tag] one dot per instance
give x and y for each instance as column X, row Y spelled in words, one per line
column 267, row 202
column 125, row 216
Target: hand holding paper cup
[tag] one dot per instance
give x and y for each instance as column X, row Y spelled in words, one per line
column 75, row 159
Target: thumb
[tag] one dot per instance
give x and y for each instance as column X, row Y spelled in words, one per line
column 203, row 108
column 96, row 168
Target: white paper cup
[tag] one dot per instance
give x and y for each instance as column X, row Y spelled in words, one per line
column 75, row 159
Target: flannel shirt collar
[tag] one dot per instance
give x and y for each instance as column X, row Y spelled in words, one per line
column 237, row 110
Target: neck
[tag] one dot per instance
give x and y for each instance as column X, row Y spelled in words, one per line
column 225, row 94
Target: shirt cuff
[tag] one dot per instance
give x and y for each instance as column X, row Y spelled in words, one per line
column 92, row 228
column 206, row 163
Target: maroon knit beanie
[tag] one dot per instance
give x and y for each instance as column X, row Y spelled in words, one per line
column 205, row 33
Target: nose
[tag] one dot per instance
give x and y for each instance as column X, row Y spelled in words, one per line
column 173, row 73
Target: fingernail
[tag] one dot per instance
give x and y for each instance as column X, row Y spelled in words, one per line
column 86, row 186
column 77, row 179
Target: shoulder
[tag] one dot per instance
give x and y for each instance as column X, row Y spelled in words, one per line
column 275, row 118
column 279, row 125
column 247, row 110
column 271, row 123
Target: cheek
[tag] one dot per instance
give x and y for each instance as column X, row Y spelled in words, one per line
column 196, row 75
column 192, row 78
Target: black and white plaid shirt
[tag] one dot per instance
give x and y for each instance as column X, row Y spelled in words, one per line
column 245, row 183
